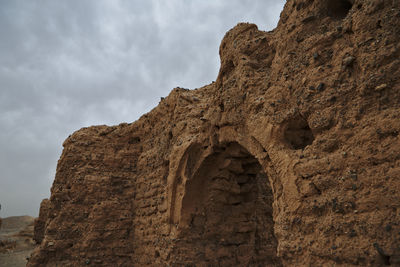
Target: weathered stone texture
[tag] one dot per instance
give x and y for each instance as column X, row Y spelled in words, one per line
column 292, row 157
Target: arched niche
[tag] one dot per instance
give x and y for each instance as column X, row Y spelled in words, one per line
column 224, row 215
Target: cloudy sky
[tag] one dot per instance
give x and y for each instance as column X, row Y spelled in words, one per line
column 70, row 64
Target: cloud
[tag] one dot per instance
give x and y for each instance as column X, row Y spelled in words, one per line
column 69, row 64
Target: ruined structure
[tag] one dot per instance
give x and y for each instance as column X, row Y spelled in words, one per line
column 291, row 158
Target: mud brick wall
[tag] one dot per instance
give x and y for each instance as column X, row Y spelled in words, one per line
column 291, row 158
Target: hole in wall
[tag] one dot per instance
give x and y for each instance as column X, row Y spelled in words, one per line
column 134, row 140
column 338, row 9
column 222, row 107
column 298, row 133
column 227, row 215
column 379, row 24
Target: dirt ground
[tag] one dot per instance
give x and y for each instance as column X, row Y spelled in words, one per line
column 16, row 243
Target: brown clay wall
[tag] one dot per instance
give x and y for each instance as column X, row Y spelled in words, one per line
column 313, row 105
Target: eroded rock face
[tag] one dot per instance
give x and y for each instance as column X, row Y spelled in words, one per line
column 290, row 158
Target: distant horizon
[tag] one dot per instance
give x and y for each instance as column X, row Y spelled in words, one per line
column 17, row 216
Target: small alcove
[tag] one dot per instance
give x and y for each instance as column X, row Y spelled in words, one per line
column 338, row 9
column 298, row 134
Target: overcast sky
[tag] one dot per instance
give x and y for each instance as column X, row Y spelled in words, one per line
column 69, row 64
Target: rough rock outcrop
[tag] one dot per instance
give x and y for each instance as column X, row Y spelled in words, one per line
column 292, row 157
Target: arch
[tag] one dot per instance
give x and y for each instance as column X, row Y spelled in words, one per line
column 226, row 216
column 186, row 167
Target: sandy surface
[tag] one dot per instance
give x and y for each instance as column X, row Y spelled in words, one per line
column 16, row 242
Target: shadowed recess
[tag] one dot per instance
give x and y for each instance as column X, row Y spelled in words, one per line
column 227, row 216
column 298, row 133
column 338, row 9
